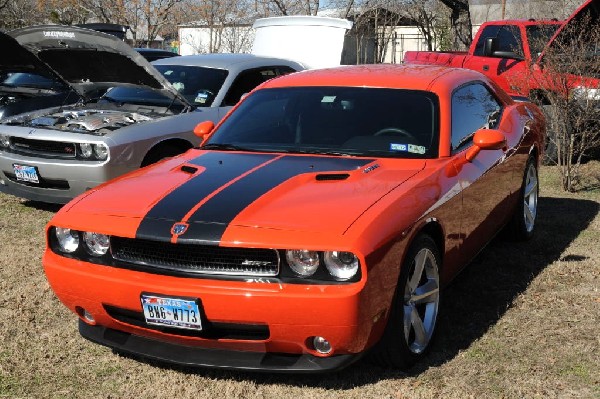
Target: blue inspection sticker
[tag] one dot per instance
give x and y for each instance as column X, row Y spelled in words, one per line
column 398, row 147
column 201, row 98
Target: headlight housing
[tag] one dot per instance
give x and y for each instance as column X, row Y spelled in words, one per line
column 325, row 266
column 341, row 265
column 68, row 240
column 4, row 141
column 96, row 244
column 586, row 93
column 91, row 151
column 84, row 245
column 302, row 261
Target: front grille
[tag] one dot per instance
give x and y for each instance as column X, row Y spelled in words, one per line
column 210, row 330
column 42, row 147
column 197, row 259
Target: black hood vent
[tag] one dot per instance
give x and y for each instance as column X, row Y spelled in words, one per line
column 332, row 176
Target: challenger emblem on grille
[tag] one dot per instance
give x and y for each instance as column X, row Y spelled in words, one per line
column 179, row 228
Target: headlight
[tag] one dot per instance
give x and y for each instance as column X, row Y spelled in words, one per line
column 101, row 151
column 302, row 261
column 586, row 93
column 68, row 239
column 4, row 141
column 97, row 244
column 341, row 265
column 86, row 150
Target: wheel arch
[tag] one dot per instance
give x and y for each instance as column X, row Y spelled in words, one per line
column 172, row 143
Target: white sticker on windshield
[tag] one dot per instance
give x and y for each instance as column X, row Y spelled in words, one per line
column 398, row 147
column 416, row 149
column 328, row 99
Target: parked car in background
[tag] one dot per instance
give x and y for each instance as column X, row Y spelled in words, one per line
column 26, row 83
column 55, row 154
column 318, row 222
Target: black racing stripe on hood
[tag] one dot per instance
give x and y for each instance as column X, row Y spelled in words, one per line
column 220, row 167
column 227, row 204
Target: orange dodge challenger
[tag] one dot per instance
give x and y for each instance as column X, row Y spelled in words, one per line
column 319, row 221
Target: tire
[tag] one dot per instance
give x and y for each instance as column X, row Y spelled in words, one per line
column 413, row 316
column 161, row 152
column 522, row 224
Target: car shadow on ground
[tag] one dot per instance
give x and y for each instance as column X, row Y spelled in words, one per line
column 473, row 303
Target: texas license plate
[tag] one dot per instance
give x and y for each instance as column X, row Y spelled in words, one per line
column 26, row 173
column 171, row 312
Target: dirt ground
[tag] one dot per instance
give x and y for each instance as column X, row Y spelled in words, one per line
column 520, row 322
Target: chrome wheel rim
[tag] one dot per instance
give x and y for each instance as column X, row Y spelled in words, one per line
column 530, row 198
column 421, row 300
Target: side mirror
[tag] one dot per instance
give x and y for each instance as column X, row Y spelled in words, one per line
column 486, row 139
column 489, row 46
column 204, row 129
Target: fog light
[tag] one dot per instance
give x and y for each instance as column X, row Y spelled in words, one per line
column 85, row 315
column 321, row 345
column 88, row 317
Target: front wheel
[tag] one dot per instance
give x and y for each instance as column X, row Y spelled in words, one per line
column 523, row 221
column 413, row 317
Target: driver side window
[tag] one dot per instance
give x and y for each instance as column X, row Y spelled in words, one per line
column 473, row 107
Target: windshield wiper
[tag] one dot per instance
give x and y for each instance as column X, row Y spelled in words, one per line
column 226, row 147
column 322, row 152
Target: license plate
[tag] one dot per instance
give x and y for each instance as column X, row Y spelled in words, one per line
column 26, row 173
column 172, row 312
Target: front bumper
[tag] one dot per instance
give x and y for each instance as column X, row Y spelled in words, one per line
column 213, row 358
column 60, row 180
column 291, row 314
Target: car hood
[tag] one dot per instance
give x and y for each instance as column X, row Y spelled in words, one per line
column 90, row 61
column 207, row 192
column 16, row 58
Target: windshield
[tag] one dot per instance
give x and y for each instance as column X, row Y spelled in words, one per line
column 334, row 120
column 538, row 36
column 31, row 80
column 198, row 85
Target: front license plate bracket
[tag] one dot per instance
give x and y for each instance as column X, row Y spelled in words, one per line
column 172, row 311
column 26, row 173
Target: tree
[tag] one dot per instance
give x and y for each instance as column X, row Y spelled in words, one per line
column 460, row 21
column 19, row 13
column 431, row 20
column 570, row 99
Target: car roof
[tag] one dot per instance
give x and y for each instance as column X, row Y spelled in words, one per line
column 413, row 77
column 227, row 61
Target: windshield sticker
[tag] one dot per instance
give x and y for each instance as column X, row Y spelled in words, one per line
column 328, row 99
column 416, row 149
column 178, row 86
column 201, row 98
column 70, row 35
column 398, row 147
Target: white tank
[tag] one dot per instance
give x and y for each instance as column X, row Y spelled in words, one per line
column 315, row 42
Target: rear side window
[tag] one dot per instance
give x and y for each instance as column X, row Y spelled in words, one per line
column 508, row 39
column 249, row 79
column 473, row 107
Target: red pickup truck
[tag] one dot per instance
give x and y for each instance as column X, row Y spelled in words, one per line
column 510, row 52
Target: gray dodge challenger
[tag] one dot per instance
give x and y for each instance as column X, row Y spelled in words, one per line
column 133, row 114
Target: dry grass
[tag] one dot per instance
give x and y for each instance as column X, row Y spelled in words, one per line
column 520, row 322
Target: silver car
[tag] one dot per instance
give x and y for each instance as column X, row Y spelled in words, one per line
column 134, row 114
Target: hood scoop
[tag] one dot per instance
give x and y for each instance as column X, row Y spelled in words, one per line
column 189, row 169
column 332, row 176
